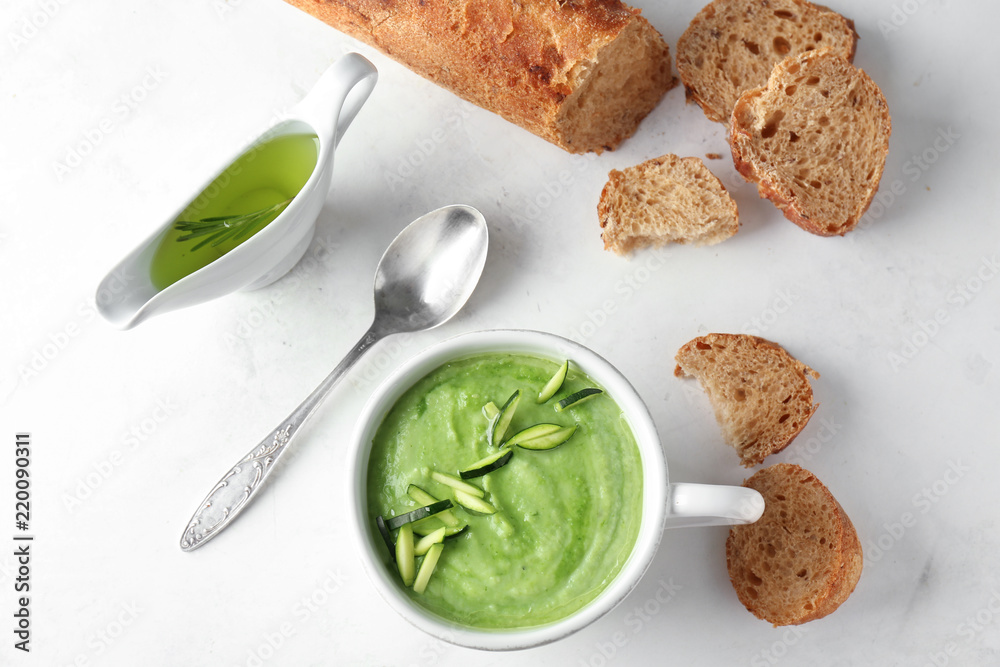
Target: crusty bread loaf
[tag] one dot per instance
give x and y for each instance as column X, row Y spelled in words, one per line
column 814, row 141
column 579, row 73
column 732, row 45
column 665, row 200
column 760, row 393
column 802, row 559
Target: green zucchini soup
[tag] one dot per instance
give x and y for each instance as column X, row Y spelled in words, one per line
column 542, row 516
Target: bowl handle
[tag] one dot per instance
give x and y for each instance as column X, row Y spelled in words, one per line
column 338, row 96
column 712, row 505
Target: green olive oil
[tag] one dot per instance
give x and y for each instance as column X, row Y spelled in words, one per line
column 245, row 198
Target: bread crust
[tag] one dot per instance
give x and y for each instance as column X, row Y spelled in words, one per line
column 524, row 60
column 771, row 183
column 753, row 552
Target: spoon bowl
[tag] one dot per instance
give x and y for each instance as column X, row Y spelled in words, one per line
column 424, row 278
column 412, row 294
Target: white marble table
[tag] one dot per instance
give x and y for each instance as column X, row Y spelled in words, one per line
column 111, row 112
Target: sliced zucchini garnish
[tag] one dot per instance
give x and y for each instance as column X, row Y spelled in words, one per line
column 424, row 498
column 500, row 424
column 432, row 523
column 404, row 555
column 490, row 410
column 553, row 385
column 420, row 495
column 418, row 514
column 457, row 484
column 535, row 431
column 581, row 395
column 488, row 464
column 427, row 567
column 474, row 503
column 386, row 536
column 549, row 441
column 455, row 532
column 427, row 526
column 421, row 546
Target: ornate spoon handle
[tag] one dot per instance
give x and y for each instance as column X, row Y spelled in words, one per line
column 244, row 480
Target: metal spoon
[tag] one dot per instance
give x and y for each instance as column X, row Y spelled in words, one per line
column 425, row 276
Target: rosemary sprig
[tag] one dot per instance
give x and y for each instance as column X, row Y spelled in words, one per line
column 221, row 228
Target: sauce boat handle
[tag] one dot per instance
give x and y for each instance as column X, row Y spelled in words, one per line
column 337, row 97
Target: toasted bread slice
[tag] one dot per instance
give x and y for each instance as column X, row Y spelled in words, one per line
column 732, row 45
column 814, row 141
column 760, row 393
column 802, row 559
column 665, row 200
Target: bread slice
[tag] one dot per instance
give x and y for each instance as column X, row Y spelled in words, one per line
column 732, row 45
column 814, row 141
column 665, row 200
column 802, row 559
column 760, row 393
column 580, row 74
